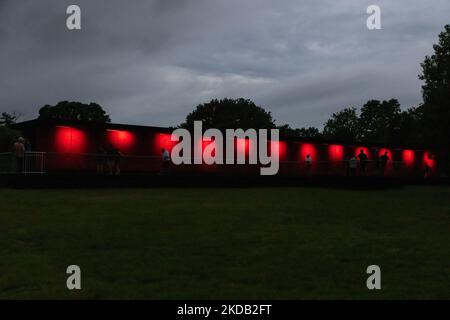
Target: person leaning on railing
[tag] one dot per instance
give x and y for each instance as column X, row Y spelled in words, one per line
column 19, row 153
column 351, row 166
column 102, row 160
column 114, row 157
column 383, row 162
column 308, row 164
column 165, row 164
column 363, row 159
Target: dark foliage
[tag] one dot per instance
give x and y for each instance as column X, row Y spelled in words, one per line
column 74, row 111
column 230, row 114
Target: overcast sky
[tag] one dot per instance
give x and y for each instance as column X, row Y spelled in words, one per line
column 151, row 62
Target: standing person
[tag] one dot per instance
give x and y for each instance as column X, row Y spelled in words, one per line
column 383, row 162
column 165, row 157
column 426, row 171
column 352, row 164
column 362, row 162
column 27, row 145
column 19, row 153
column 102, row 160
column 116, row 160
column 308, row 163
column 110, row 155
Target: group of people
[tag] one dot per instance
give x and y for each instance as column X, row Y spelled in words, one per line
column 352, row 163
column 363, row 160
column 109, row 158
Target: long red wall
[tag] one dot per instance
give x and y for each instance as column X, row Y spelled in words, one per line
column 71, row 148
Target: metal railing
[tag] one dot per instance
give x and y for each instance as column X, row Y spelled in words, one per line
column 34, row 162
column 31, row 163
column 42, row 162
column 129, row 163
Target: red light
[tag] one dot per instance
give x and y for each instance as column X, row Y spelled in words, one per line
column 70, row 140
column 210, row 147
column 383, row 151
column 364, row 149
column 242, row 146
column 122, row 140
column 388, row 152
column 163, row 140
column 408, row 157
column 428, row 160
column 336, row 152
column 279, row 146
column 308, row 148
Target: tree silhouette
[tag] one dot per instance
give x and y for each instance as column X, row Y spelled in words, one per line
column 74, row 111
column 7, row 138
column 343, row 126
column 7, row 119
column 379, row 121
column 305, row 133
column 230, row 114
column 436, row 97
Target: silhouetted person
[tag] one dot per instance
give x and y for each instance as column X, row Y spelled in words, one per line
column 109, row 157
column 114, row 156
column 165, row 161
column 352, row 164
column 27, row 145
column 362, row 162
column 308, row 163
column 426, row 171
column 102, row 160
column 117, row 157
column 383, row 162
column 19, row 153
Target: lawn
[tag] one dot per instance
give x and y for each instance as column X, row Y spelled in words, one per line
column 255, row 243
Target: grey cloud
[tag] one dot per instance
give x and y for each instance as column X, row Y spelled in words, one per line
column 151, row 62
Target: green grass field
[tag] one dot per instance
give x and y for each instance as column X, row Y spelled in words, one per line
column 280, row 243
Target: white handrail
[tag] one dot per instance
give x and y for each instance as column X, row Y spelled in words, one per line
column 34, row 162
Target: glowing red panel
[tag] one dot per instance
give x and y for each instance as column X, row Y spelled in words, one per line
column 408, row 157
column 308, row 148
column 122, row 140
column 71, row 140
column 429, row 160
column 279, row 146
column 198, row 150
column 358, row 150
column 383, row 151
column 211, row 146
column 242, row 146
column 336, row 152
column 163, row 140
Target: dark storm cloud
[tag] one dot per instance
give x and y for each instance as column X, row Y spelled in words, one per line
column 151, row 62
